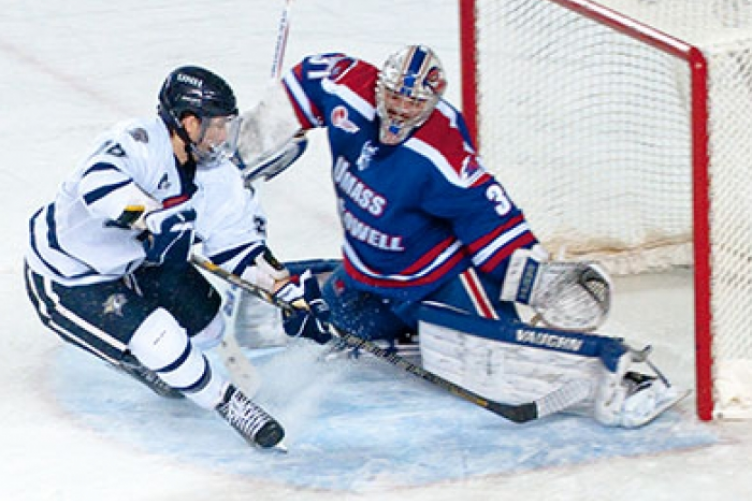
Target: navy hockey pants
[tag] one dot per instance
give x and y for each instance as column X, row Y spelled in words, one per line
column 101, row 318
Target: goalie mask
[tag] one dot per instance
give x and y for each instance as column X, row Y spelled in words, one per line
column 190, row 90
column 410, row 85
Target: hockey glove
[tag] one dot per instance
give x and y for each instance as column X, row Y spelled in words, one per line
column 569, row 296
column 170, row 234
column 312, row 314
column 269, row 166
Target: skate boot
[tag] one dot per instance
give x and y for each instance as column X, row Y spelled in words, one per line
column 131, row 366
column 253, row 423
column 631, row 399
column 647, row 397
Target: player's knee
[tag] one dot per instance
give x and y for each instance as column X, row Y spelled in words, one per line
column 162, row 345
column 159, row 341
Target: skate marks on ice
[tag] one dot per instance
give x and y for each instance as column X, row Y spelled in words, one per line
column 352, row 425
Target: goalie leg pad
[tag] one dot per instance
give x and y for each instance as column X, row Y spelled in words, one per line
column 604, row 348
column 505, row 362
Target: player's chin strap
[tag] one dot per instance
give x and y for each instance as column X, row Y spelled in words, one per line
column 556, row 401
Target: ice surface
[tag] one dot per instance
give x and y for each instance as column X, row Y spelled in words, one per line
column 70, row 429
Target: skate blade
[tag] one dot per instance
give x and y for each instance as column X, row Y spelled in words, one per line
column 280, row 448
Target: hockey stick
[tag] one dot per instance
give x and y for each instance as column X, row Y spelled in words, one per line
column 556, row 401
column 272, row 163
column 242, row 372
column 281, row 45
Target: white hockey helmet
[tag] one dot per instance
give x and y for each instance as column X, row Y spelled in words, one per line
column 409, row 86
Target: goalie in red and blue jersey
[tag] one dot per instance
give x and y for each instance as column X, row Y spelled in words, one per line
column 432, row 242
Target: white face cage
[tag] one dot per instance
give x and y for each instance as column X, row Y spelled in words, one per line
column 410, row 85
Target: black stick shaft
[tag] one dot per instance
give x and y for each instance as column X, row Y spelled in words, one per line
column 517, row 413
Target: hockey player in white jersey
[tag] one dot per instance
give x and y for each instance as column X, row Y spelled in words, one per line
column 434, row 245
column 107, row 266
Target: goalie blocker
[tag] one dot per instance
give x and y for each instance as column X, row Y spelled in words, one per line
column 565, row 295
column 520, row 363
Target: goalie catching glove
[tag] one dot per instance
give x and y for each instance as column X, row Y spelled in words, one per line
column 272, row 164
column 568, row 296
column 311, row 316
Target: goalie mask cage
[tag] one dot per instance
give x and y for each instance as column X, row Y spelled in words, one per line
column 623, row 129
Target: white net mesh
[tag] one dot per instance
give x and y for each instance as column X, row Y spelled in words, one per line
column 572, row 108
column 590, row 130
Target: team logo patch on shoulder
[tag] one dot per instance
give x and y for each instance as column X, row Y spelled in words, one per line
column 340, row 119
column 471, row 168
column 139, row 135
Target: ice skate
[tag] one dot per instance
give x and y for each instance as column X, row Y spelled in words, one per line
column 253, row 423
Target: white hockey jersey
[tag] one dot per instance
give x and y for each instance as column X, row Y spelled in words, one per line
column 76, row 240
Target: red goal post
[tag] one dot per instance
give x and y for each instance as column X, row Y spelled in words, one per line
column 619, row 127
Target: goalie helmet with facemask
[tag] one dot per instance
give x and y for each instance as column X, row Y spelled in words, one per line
column 191, row 90
column 409, row 86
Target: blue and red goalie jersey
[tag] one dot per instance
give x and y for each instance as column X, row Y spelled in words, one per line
column 414, row 215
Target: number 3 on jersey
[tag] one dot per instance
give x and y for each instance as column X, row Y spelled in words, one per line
column 495, row 193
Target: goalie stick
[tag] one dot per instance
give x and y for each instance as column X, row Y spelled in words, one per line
column 272, row 162
column 279, row 49
column 556, row 401
column 242, row 372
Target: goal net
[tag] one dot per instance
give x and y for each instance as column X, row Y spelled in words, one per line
column 623, row 128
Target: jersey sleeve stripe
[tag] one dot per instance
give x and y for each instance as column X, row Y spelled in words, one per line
column 308, row 113
column 485, row 240
column 345, row 93
column 101, row 167
column 505, row 241
column 103, row 191
column 525, row 239
column 239, row 257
